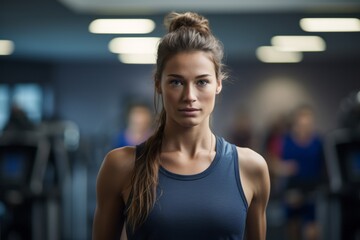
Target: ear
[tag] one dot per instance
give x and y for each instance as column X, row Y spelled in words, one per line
column 219, row 86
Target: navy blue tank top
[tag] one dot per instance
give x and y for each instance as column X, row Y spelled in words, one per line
column 208, row 205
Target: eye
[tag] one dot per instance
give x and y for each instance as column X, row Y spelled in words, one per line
column 175, row 82
column 203, row 82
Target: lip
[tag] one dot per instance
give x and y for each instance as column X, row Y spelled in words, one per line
column 189, row 112
column 189, row 109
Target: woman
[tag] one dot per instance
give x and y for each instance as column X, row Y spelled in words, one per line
column 184, row 182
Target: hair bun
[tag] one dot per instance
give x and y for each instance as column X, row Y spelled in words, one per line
column 175, row 21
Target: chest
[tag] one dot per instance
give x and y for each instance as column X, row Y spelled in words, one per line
column 196, row 210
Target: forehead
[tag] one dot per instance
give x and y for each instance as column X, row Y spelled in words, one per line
column 195, row 62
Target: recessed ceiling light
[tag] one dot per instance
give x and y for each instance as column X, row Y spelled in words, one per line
column 137, row 58
column 132, row 45
column 299, row 43
column 6, row 47
column 330, row 24
column 270, row 54
column 122, row 26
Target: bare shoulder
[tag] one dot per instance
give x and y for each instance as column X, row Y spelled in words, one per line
column 117, row 168
column 251, row 161
column 254, row 175
column 120, row 158
column 111, row 191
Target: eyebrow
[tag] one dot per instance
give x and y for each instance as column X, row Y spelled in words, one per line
column 179, row 76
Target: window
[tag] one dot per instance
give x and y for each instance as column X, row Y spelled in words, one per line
column 28, row 97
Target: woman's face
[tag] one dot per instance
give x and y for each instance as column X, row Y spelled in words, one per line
column 188, row 86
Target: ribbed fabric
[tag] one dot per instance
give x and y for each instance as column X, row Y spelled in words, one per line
column 209, row 205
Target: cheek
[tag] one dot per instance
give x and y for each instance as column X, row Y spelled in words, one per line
column 169, row 99
column 209, row 97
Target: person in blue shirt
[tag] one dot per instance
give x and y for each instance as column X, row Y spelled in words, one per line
column 303, row 165
column 138, row 127
column 184, row 182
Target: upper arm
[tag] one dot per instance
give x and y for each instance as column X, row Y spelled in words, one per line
column 112, row 180
column 257, row 185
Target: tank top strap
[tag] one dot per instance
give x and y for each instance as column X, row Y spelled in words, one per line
column 237, row 174
column 229, row 158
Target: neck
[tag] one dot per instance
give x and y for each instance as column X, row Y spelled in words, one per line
column 190, row 140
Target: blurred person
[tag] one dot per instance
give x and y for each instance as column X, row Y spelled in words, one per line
column 184, row 182
column 272, row 150
column 18, row 120
column 138, row 126
column 302, row 167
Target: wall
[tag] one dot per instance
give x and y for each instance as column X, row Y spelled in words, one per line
column 93, row 93
column 271, row 89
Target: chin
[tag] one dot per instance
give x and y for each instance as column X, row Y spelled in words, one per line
column 189, row 123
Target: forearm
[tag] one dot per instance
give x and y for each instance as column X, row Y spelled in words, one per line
column 256, row 230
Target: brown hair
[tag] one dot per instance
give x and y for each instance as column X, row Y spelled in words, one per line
column 186, row 32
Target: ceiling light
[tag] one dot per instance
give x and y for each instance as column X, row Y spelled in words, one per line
column 137, row 58
column 126, row 26
column 6, row 47
column 330, row 24
column 270, row 54
column 145, row 45
column 299, row 43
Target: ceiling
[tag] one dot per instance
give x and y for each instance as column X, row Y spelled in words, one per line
column 53, row 30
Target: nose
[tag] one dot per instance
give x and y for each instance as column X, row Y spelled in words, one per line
column 189, row 94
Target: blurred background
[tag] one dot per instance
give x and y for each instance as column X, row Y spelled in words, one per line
column 68, row 91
